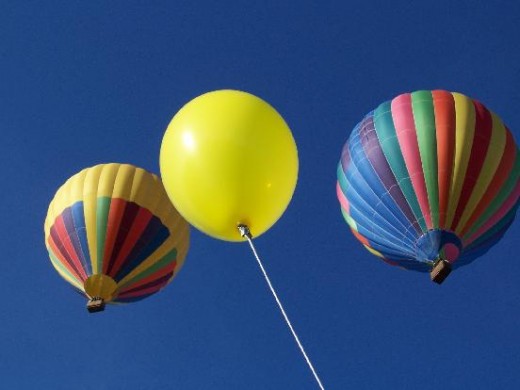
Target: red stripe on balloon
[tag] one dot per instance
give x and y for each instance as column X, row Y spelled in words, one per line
column 63, row 258
column 131, row 210
column 444, row 108
column 61, row 235
column 168, row 270
column 501, row 175
column 141, row 220
column 149, row 289
column 115, row 215
column 479, row 150
column 402, row 115
column 508, row 204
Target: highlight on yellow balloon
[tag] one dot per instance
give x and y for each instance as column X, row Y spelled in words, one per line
column 113, row 234
column 228, row 158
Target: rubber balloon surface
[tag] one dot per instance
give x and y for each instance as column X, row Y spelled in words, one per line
column 229, row 158
column 429, row 175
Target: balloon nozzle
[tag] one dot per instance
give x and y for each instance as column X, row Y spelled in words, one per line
column 244, row 230
column 440, row 271
column 95, row 304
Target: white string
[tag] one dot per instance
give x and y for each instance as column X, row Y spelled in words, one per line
column 245, row 233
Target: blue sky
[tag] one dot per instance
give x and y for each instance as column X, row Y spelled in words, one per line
column 83, row 83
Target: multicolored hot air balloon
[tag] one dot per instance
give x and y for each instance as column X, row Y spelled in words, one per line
column 429, row 181
column 113, row 234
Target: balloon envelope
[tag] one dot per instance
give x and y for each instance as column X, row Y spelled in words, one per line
column 429, row 175
column 229, row 158
column 112, row 233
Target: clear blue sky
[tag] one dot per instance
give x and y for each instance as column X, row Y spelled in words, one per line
column 86, row 82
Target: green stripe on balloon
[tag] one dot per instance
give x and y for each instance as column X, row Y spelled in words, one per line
column 424, row 118
column 58, row 264
column 342, row 180
column 349, row 220
column 103, row 208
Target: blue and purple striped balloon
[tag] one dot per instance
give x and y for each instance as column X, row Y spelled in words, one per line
column 429, row 175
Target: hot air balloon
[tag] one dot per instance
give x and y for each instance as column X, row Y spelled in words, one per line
column 113, row 234
column 429, row 181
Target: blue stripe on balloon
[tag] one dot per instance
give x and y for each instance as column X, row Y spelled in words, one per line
column 152, row 238
column 393, row 196
column 387, row 135
column 377, row 228
column 70, row 226
column 378, row 239
column 361, row 177
column 389, row 230
column 81, row 230
column 374, row 188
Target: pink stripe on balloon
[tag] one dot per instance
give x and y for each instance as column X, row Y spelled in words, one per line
column 451, row 251
column 402, row 115
column 502, row 211
column 341, row 197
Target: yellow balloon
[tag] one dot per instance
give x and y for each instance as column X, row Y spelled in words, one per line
column 229, row 158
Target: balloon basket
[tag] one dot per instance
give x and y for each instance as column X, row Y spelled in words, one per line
column 440, row 271
column 95, row 305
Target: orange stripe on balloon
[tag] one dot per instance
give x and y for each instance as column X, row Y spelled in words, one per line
column 407, row 136
column 501, row 175
column 444, row 109
column 362, row 239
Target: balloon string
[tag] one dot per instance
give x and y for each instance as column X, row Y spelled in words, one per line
column 244, row 231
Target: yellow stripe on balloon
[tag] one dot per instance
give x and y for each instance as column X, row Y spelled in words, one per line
column 75, row 190
column 148, row 192
column 123, row 182
column 90, row 190
column 373, row 251
column 47, row 223
column 66, row 196
column 183, row 238
column 164, row 209
column 51, row 217
column 142, row 186
column 492, row 160
column 106, row 180
column 465, row 131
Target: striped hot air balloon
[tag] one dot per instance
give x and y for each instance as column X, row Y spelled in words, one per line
column 429, row 181
column 112, row 233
